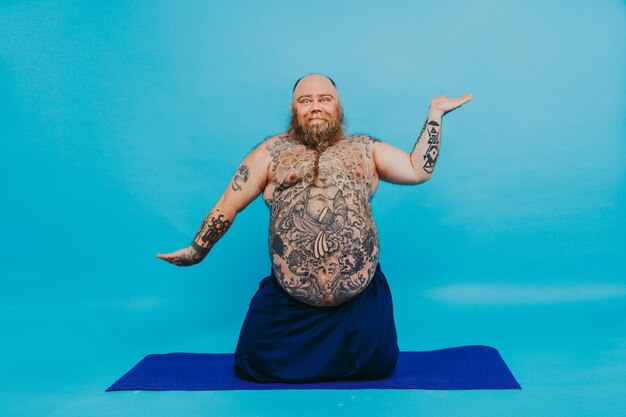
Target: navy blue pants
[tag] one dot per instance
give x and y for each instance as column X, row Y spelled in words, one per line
column 285, row 340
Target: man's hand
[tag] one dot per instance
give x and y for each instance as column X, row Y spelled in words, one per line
column 442, row 104
column 182, row 257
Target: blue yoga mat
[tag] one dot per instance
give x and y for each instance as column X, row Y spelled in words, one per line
column 464, row 367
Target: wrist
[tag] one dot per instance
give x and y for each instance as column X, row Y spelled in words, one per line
column 435, row 114
column 197, row 252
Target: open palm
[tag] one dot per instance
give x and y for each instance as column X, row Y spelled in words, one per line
column 443, row 104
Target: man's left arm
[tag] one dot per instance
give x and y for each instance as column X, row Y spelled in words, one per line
column 399, row 167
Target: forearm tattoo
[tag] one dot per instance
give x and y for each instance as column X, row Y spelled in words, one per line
column 211, row 230
column 430, row 157
column 195, row 254
column 242, row 175
column 323, row 241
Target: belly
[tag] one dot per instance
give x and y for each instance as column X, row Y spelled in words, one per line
column 322, row 283
column 324, row 250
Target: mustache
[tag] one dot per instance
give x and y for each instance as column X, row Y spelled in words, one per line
column 321, row 113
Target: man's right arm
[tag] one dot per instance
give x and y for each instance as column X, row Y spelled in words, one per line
column 397, row 166
column 248, row 182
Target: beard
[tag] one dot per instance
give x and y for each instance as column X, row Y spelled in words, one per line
column 318, row 136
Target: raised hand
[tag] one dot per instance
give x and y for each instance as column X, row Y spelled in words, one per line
column 443, row 104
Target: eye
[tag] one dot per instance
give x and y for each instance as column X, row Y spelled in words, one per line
column 305, row 100
column 325, row 99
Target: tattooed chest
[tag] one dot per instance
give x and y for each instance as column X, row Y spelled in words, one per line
column 323, row 240
column 344, row 166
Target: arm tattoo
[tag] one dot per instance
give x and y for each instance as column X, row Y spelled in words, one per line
column 243, row 173
column 196, row 254
column 211, row 230
column 430, row 157
column 432, row 152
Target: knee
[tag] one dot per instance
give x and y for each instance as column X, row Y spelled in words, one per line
column 251, row 368
column 383, row 364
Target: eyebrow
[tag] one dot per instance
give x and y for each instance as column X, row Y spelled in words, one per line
column 319, row 95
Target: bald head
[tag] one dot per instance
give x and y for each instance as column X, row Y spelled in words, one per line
column 314, row 84
column 299, row 79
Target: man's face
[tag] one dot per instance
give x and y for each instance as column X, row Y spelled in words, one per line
column 315, row 103
column 316, row 113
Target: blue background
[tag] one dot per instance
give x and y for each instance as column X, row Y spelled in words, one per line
column 122, row 122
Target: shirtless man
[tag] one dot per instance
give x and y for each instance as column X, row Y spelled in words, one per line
column 318, row 182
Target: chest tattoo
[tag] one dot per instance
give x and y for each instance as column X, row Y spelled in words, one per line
column 323, row 241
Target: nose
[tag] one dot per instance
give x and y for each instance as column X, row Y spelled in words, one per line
column 316, row 106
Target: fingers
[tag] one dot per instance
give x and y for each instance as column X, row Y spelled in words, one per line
column 169, row 258
column 179, row 258
column 174, row 260
column 459, row 101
